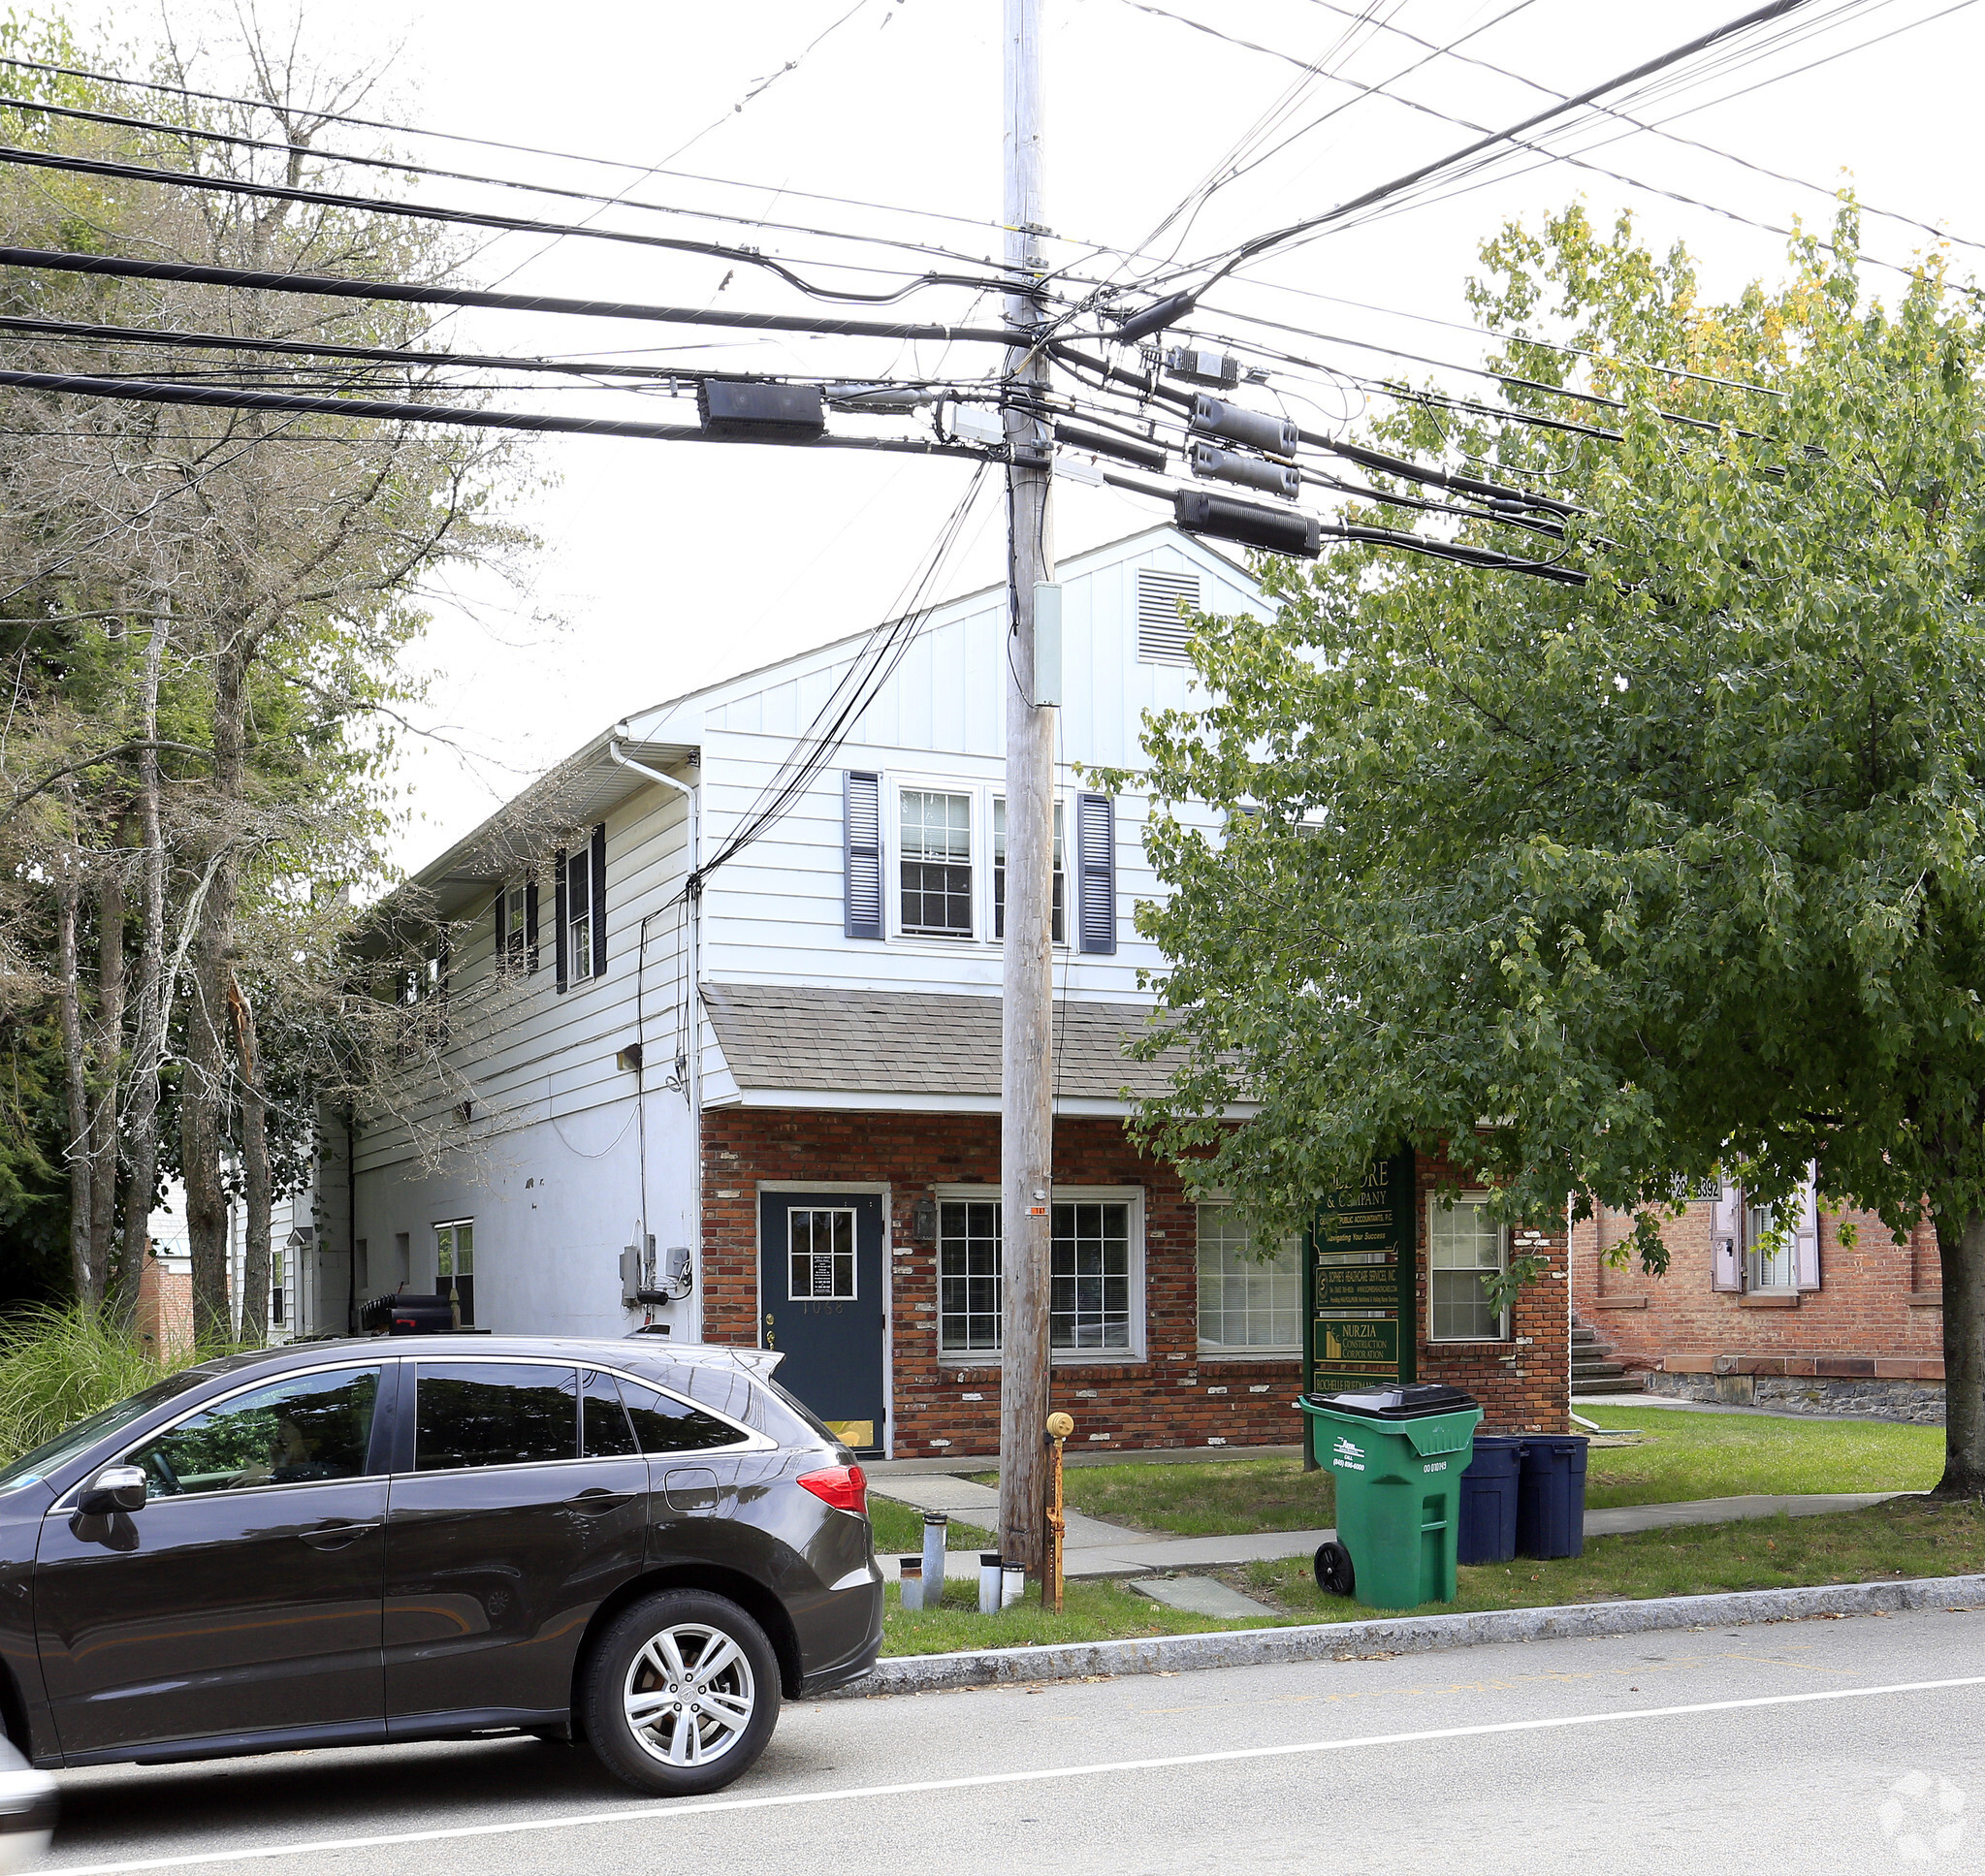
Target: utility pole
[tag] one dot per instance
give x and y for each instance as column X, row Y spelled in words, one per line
column 1026, row 1078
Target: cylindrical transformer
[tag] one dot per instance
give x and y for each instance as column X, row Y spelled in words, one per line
column 992, row 1583
column 1253, row 429
column 1282, row 479
column 935, row 1527
column 911, row 1577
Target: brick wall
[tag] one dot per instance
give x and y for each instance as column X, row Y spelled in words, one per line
column 1876, row 1312
column 1175, row 1397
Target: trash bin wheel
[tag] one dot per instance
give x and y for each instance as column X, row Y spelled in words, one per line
column 1334, row 1569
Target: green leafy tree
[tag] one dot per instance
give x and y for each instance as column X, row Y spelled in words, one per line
column 1614, row 886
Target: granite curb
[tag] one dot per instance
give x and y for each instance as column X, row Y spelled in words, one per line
column 1401, row 1634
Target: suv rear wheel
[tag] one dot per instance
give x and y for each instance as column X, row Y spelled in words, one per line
column 681, row 1694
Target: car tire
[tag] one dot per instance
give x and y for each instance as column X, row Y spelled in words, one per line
column 1334, row 1574
column 647, row 1703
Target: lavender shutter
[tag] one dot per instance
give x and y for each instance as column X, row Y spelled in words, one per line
column 1726, row 1238
column 1096, row 863
column 1806, row 1232
column 560, row 920
column 861, row 855
column 598, row 907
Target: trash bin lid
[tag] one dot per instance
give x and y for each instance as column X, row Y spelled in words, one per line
column 1414, row 1403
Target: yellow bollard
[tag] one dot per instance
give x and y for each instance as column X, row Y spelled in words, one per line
column 1059, row 1427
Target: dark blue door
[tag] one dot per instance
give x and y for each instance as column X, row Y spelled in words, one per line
column 821, row 1306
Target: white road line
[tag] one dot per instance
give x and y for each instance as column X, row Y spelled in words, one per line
column 648, row 1813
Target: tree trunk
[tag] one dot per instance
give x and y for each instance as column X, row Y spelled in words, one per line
column 147, row 1041
column 204, row 1096
column 109, row 1059
column 76, row 1083
column 1961, row 1251
column 254, row 1173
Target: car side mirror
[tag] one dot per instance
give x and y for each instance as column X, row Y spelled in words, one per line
column 116, row 1488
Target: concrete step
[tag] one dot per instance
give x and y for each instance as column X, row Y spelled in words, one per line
column 1624, row 1383
column 1598, row 1369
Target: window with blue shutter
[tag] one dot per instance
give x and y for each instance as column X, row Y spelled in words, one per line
column 862, row 856
column 1095, row 864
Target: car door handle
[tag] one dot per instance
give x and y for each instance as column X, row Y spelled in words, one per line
column 337, row 1537
column 597, row 1498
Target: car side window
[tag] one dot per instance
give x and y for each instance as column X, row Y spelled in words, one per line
column 604, row 1429
column 665, row 1425
column 494, row 1413
column 292, row 1431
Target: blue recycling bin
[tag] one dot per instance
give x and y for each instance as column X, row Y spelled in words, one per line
column 1550, row 1496
column 1488, row 1499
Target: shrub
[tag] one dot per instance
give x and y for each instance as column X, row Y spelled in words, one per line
column 59, row 1364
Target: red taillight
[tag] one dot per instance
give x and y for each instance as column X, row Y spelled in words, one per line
column 845, row 1487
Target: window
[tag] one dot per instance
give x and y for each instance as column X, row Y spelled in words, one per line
column 515, row 934
column 1463, row 1248
column 1767, row 1250
column 455, row 1266
column 494, row 1413
column 1164, row 635
column 1247, row 1304
column 969, row 1276
column 579, row 914
column 999, row 871
column 421, row 990
column 663, row 1424
column 604, row 1429
column 1095, row 1274
column 302, row 1428
column 820, row 1253
column 579, row 884
column 935, row 857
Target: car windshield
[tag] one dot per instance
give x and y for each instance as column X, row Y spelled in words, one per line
column 66, row 1445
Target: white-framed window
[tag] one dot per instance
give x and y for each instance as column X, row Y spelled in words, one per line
column 1769, row 1262
column 934, row 862
column 455, row 1265
column 1464, row 1248
column 1096, row 1275
column 820, row 1253
column 1248, row 1304
column 516, row 937
column 999, row 871
column 579, row 905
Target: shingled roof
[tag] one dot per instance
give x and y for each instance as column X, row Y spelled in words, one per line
column 811, row 1040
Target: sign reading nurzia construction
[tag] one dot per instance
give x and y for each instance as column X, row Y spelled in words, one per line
column 1360, row 1280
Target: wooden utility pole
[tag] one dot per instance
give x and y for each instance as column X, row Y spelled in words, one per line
column 1027, row 1075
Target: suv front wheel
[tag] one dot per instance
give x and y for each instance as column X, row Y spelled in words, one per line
column 681, row 1693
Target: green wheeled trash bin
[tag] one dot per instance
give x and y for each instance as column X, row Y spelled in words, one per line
column 1396, row 1455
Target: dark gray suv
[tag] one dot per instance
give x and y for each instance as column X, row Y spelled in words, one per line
column 351, row 1543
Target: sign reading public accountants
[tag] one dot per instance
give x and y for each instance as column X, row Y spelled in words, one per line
column 1360, row 1280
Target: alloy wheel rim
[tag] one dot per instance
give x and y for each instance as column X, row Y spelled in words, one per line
column 688, row 1695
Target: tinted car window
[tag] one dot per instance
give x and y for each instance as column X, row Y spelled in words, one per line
column 604, row 1429
column 299, row 1429
column 665, row 1425
column 494, row 1413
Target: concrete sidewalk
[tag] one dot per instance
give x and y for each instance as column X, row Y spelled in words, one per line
column 1097, row 1548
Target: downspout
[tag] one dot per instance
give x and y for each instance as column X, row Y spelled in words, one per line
column 351, row 1228
column 693, row 1070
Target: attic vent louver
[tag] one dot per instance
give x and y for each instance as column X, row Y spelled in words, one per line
column 1161, row 634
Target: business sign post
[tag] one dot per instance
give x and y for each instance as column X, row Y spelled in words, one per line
column 1359, row 1282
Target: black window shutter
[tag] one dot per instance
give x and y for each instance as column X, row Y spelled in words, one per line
column 1096, row 858
column 861, row 821
column 598, row 906
column 530, row 924
column 560, row 918
column 500, row 954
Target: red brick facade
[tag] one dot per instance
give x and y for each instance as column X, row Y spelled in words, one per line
column 1878, row 1312
column 1173, row 1397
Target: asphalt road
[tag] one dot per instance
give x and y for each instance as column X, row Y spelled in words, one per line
column 1850, row 1745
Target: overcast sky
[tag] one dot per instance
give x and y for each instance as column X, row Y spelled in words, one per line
column 664, row 567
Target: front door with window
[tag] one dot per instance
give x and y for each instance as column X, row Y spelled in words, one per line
column 821, row 1306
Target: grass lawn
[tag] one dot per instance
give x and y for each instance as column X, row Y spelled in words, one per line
column 1681, row 1455
column 1908, row 1538
column 899, row 1529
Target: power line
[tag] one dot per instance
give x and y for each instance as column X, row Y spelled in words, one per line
column 467, row 218
column 217, row 398
column 338, row 287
